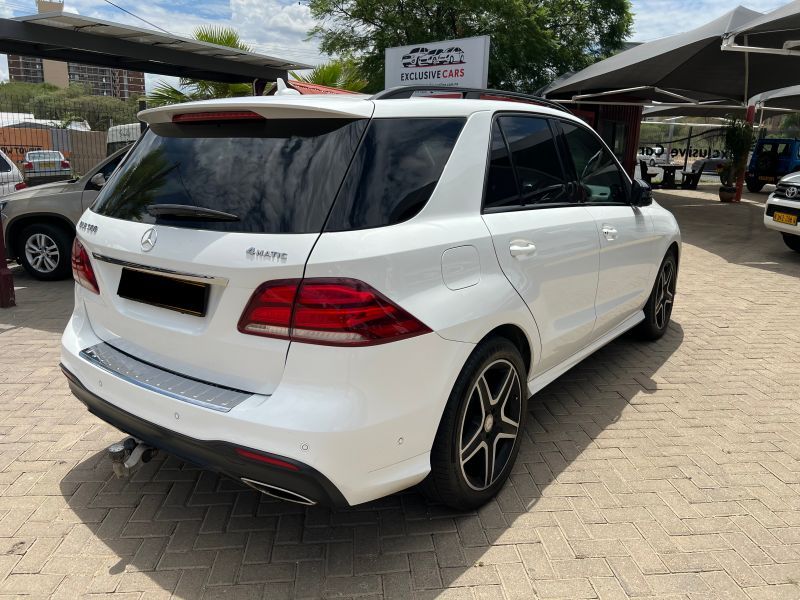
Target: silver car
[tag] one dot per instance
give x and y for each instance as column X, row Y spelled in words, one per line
column 46, row 165
column 39, row 222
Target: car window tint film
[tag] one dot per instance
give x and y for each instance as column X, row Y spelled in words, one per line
column 394, row 171
column 275, row 175
column 501, row 184
column 598, row 174
column 535, row 159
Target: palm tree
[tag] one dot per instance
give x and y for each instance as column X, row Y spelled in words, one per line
column 201, row 89
column 343, row 74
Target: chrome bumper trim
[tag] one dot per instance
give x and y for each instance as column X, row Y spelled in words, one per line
column 150, row 377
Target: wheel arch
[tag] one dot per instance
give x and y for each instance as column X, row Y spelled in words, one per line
column 515, row 335
column 16, row 227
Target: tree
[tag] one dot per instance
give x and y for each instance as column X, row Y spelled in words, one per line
column 343, row 74
column 532, row 41
column 201, row 89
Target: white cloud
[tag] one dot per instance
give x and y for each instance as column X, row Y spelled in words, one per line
column 655, row 19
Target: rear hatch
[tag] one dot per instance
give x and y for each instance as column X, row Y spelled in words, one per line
column 204, row 209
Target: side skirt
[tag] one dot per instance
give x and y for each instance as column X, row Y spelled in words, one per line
column 540, row 381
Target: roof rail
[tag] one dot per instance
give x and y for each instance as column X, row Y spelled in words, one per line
column 406, row 91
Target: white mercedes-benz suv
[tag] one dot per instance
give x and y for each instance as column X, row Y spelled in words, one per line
column 333, row 299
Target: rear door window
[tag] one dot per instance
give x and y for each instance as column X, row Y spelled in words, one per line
column 394, row 172
column 5, row 166
column 535, row 159
column 501, row 183
column 275, row 175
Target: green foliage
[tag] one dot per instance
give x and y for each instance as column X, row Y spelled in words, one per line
column 17, row 94
column 533, row 41
column 65, row 105
column 200, row 89
column 343, row 74
column 738, row 141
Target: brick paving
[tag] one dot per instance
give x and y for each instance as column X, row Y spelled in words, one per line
column 667, row 470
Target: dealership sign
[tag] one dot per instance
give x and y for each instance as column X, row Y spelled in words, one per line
column 453, row 63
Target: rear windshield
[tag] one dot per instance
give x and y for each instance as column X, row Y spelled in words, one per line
column 282, row 176
column 44, row 155
column 276, row 176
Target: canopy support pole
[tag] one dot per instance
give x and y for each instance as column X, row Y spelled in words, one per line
column 6, row 279
column 750, row 118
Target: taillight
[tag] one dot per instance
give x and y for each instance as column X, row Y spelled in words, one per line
column 65, row 164
column 27, row 165
column 82, row 270
column 20, row 186
column 333, row 312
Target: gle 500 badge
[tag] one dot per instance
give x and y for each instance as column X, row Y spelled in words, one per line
column 454, row 63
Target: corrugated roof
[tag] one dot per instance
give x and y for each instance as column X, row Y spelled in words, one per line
column 309, row 89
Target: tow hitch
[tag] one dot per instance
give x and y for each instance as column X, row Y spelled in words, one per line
column 127, row 455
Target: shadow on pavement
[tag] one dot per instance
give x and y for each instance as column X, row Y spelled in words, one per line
column 713, row 226
column 40, row 304
column 176, row 528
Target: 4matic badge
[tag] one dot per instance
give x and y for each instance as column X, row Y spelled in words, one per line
column 280, row 257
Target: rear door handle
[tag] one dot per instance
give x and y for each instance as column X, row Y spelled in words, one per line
column 609, row 232
column 521, row 248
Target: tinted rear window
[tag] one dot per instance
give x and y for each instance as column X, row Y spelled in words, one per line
column 394, row 171
column 277, row 176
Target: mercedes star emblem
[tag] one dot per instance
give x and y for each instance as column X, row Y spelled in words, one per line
column 791, row 192
column 149, row 239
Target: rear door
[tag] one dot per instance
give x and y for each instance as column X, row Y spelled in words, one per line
column 9, row 175
column 173, row 283
column 545, row 241
column 627, row 242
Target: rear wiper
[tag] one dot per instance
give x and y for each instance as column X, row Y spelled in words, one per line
column 189, row 212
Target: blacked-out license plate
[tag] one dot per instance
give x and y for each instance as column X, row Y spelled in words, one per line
column 163, row 291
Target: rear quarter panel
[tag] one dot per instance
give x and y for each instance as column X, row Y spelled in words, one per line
column 404, row 261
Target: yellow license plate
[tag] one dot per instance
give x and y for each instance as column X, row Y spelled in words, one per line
column 784, row 218
column 48, row 165
column 766, row 178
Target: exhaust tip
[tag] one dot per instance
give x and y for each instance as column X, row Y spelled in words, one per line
column 277, row 492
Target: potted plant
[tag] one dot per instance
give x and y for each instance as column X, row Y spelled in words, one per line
column 738, row 135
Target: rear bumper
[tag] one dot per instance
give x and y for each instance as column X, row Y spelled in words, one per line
column 364, row 419
column 217, row 456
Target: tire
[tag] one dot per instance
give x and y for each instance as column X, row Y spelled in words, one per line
column 792, row 241
column 482, row 414
column 44, row 250
column 754, row 186
column 658, row 309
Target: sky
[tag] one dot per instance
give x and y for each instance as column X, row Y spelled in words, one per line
column 280, row 27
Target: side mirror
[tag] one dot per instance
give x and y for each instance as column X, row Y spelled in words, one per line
column 98, row 180
column 641, row 193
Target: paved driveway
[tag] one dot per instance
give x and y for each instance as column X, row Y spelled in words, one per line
column 666, row 470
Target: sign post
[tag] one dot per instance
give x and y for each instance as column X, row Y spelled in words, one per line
column 453, row 63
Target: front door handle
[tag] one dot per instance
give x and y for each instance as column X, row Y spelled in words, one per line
column 609, row 232
column 521, row 248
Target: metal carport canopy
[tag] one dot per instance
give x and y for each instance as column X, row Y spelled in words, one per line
column 690, row 64
column 72, row 37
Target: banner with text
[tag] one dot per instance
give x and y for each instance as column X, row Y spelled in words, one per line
column 452, row 63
